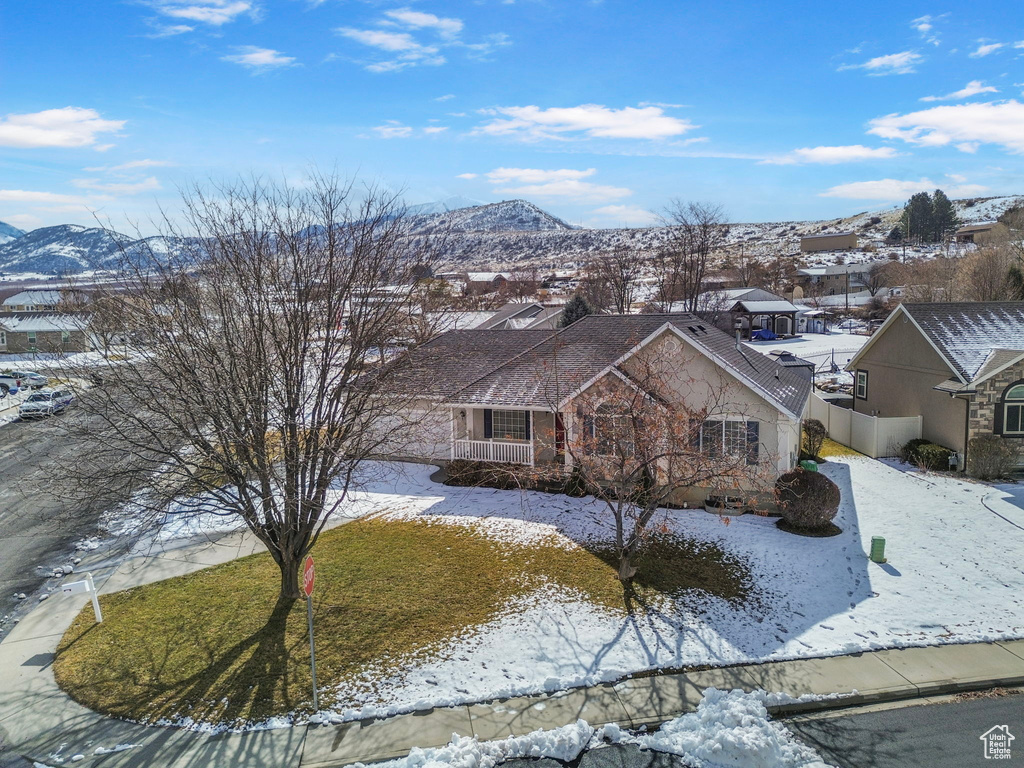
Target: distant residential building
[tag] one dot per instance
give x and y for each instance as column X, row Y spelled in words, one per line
column 979, row 233
column 835, row 279
column 32, row 301
column 520, row 316
column 486, row 282
column 838, row 241
column 44, row 332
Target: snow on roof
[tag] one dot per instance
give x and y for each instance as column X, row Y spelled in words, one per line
column 33, row 298
column 755, row 307
column 487, row 277
column 41, row 323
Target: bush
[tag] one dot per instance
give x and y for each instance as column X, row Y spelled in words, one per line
column 934, row 457
column 486, row 474
column 814, row 438
column 990, row 456
column 909, row 451
column 575, row 485
column 807, row 500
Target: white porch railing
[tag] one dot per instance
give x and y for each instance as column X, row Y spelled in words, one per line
column 493, row 450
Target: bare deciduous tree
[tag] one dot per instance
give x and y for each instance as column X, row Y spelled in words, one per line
column 617, row 274
column 698, row 231
column 245, row 388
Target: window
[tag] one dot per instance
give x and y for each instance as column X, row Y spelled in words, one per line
column 1013, row 410
column 31, row 338
column 612, row 430
column 506, row 425
column 862, row 385
column 65, row 337
column 3, row 338
column 726, row 437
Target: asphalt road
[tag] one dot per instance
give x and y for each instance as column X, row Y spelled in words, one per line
column 944, row 735
column 36, row 533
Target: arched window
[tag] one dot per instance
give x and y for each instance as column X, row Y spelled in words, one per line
column 1013, row 410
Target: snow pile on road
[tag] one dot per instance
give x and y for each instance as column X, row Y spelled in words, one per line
column 565, row 744
column 731, row 728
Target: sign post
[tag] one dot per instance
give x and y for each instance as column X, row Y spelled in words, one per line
column 77, row 587
column 308, row 579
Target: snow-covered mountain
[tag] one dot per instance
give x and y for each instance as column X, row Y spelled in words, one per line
column 8, row 233
column 64, row 248
column 506, row 216
column 442, row 206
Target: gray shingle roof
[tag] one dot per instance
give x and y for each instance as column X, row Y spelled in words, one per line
column 546, row 367
column 967, row 332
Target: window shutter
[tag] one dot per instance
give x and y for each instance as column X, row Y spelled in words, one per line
column 488, row 424
column 528, row 420
column 753, row 441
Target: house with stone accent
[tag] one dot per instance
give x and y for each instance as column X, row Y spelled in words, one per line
column 52, row 332
column 960, row 366
column 525, row 397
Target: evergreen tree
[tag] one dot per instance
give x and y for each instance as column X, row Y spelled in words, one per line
column 944, row 218
column 916, row 222
column 575, row 308
column 1016, row 280
column 895, row 235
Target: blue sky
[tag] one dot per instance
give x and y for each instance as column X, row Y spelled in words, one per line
column 600, row 112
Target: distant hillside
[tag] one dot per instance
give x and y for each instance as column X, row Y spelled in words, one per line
column 506, row 216
column 70, row 248
column 8, row 233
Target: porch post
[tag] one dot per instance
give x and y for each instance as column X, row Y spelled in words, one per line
column 451, row 445
column 533, row 439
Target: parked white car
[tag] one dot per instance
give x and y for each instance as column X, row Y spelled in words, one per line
column 31, row 379
column 46, row 403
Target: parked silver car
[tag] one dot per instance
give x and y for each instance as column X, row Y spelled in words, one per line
column 46, row 402
column 31, row 379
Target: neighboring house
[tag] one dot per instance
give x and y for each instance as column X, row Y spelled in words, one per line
column 519, row 316
column 799, row 366
column 478, row 283
column 838, row 241
column 980, row 233
column 516, row 397
column 960, row 366
column 32, row 301
column 44, row 332
column 835, row 279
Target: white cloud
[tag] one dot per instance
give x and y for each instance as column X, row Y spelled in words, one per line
column 832, row 155
column 897, row 189
column 449, row 28
column 118, row 188
column 65, row 127
column 141, row 164
column 564, row 183
column 432, row 129
column 973, row 88
column 532, row 123
column 417, row 38
column 467, row 176
column 170, row 30
column 26, row 221
column 628, row 215
column 392, row 129
column 925, row 26
column 213, row 12
column 1000, row 123
column 259, row 59
column 29, row 196
column 536, row 175
column 446, row 97
column 985, row 49
column 902, row 63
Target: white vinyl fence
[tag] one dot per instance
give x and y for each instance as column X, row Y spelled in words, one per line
column 875, row 436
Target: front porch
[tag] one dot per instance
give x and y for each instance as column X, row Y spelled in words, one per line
column 508, row 436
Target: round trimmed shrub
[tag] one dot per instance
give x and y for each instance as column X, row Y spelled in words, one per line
column 807, row 500
column 934, row 457
column 910, row 450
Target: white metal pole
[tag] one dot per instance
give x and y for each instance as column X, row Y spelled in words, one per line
column 95, row 598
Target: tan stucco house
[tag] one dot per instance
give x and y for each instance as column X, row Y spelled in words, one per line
column 520, row 396
column 960, row 366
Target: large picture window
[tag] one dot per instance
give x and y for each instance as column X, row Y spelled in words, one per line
column 510, row 425
column 729, row 437
column 1013, row 410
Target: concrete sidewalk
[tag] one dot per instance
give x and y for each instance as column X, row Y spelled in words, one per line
column 40, row 723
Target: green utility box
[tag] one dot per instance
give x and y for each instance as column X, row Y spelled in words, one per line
column 810, row 466
column 877, row 549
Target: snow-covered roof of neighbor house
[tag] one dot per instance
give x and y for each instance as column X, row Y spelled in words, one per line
column 974, row 338
column 486, row 277
column 975, row 228
column 537, row 369
column 45, row 298
column 765, row 307
column 41, row 323
column 517, row 315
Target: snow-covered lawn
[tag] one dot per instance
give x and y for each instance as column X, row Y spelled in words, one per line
column 955, row 574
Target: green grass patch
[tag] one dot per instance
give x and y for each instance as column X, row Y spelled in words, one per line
column 215, row 646
column 830, row 449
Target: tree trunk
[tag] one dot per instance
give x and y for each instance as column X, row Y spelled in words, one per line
column 289, row 566
column 626, row 568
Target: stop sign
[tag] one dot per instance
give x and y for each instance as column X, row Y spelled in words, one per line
column 308, row 576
